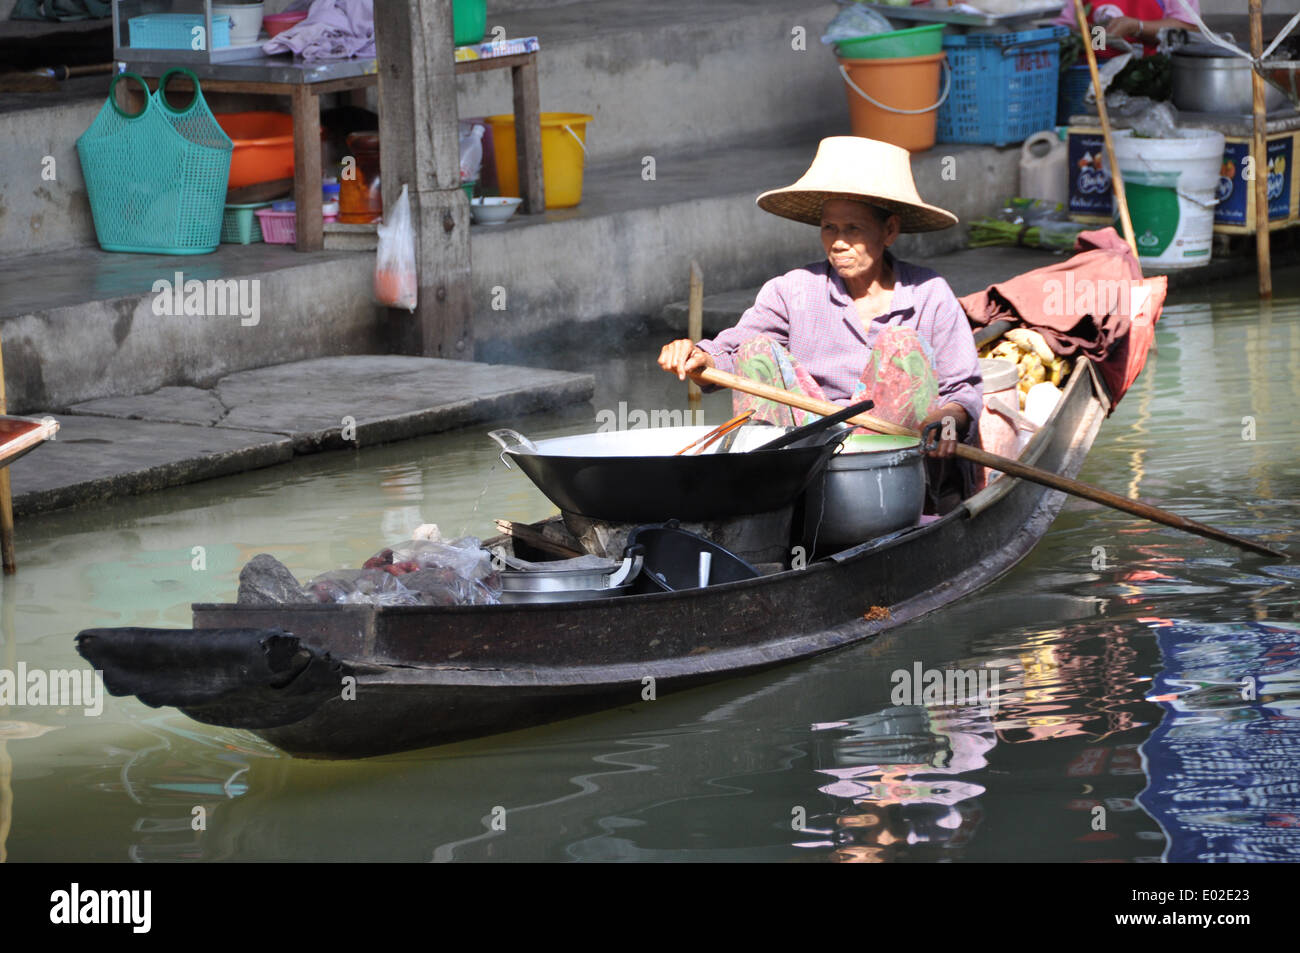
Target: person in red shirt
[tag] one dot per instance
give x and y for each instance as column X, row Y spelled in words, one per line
column 1137, row 21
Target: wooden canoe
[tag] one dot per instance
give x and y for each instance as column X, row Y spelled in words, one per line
column 355, row 681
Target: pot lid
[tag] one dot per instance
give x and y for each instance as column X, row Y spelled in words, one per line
column 1202, row 49
column 998, row 374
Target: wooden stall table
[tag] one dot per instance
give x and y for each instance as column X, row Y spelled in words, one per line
column 304, row 83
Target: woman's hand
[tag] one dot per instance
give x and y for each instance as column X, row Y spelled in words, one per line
column 682, row 357
column 1123, row 27
column 946, row 446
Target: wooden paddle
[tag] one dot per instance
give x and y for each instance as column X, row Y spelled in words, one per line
column 992, row 461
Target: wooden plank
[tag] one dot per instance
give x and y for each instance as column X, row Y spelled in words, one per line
column 495, row 62
column 528, row 136
column 1259, row 149
column 420, row 148
column 306, row 169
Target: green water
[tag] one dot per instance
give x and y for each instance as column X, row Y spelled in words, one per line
column 809, row 762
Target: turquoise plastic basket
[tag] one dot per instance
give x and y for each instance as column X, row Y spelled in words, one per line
column 174, row 31
column 156, row 179
column 1003, row 86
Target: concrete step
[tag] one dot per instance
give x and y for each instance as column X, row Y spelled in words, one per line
column 677, row 76
column 114, row 447
column 82, row 324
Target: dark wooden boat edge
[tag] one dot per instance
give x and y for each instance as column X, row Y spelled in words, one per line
column 401, row 701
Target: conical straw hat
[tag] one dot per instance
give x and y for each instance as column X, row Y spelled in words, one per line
column 862, row 170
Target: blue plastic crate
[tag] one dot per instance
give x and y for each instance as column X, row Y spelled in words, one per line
column 175, row 31
column 1075, row 83
column 1003, row 86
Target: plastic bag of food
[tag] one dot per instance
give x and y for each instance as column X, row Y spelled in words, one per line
column 395, row 278
column 459, row 571
column 855, row 21
column 360, row 587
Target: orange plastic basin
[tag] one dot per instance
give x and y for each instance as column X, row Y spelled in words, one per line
column 263, row 146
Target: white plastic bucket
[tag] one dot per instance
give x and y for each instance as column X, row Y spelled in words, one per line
column 1170, row 184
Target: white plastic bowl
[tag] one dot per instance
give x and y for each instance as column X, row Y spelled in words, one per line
column 493, row 210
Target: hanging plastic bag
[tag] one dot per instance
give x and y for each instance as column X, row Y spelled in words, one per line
column 395, row 279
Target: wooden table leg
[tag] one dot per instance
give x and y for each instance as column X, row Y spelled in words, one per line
column 528, row 136
column 306, row 169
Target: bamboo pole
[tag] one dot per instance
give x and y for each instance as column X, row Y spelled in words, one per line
column 1115, row 176
column 6, row 495
column 695, row 331
column 993, row 461
column 1259, row 149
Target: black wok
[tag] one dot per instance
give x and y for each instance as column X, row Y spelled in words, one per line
column 632, row 476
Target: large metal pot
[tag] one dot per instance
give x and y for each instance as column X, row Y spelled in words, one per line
column 1206, row 79
column 874, row 487
column 633, row 476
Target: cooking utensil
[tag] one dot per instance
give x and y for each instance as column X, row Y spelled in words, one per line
column 1054, row 480
column 875, row 485
column 1207, row 79
column 634, row 476
column 716, row 432
column 675, row 559
column 817, row 426
column 569, row 584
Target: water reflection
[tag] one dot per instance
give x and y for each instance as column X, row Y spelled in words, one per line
column 1222, row 764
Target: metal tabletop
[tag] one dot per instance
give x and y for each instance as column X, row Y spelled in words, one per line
column 963, row 18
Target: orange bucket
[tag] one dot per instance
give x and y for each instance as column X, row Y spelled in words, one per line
column 896, row 100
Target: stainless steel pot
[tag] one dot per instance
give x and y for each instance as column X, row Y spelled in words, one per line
column 875, row 486
column 1207, row 80
column 570, row 584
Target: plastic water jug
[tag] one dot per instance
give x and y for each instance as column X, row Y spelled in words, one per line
column 1043, row 162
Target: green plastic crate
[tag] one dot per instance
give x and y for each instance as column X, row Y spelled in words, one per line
column 239, row 224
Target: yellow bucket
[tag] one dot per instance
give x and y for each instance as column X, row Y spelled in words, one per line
column 564, row 151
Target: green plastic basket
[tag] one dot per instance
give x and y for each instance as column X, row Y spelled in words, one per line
column 239, row 224
column 916, row 41
column 157, row 179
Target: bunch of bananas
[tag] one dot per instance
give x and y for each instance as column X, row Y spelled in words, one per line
column 1034, row 359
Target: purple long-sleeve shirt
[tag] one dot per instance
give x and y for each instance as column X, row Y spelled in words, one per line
column 811, row 313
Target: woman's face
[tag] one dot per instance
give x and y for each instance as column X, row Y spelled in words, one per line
column 855, row 240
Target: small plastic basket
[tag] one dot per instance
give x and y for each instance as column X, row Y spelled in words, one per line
column 1003, row 86
column 281, row 228
column 175, row 31
column 239, row 224
column 278, row 228
column 156, row 179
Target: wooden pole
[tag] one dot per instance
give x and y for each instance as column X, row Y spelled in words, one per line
column 695, row 331
column 1259, row 149
column 7, row 555
column 1116, row 177
column 993, row 461
column 419, row 146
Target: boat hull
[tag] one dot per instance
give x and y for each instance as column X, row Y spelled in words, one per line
column 411, row 677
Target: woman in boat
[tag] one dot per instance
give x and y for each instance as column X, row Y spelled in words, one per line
column 860, row 323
